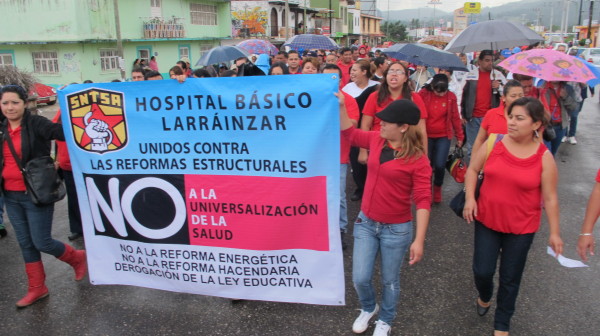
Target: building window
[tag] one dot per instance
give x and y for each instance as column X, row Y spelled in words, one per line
column 45, row 62
column 6, row 59
column 109, row 59
column 155, row 8
column 205, row 15
column 205, row 48
column 184, row 52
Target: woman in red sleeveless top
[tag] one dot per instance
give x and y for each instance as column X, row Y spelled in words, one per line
column 520, row 173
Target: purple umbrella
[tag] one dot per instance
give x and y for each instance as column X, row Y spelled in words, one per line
column 256, row 46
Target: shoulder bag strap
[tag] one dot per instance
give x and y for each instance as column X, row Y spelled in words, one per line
column 13, row 151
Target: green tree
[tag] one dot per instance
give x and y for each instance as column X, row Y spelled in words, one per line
column 394, row 31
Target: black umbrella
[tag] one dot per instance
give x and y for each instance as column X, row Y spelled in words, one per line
column 493, row 35
column 424, row 54
column 221, row 54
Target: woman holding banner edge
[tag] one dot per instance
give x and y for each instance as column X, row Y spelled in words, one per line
column 31, row 136
column 397, row 168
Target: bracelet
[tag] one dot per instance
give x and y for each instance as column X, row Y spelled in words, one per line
column 586, row 234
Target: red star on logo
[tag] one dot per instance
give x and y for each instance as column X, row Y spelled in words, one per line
column 98, row 114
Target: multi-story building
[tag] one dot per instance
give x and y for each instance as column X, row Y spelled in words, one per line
column 270, row 19
column 73, row 40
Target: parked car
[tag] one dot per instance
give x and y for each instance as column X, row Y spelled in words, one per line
column 592, row 55
column 576, row 51
column 43, row 94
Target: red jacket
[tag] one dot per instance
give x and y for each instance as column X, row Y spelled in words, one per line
column 453, row 121
column 392, row 185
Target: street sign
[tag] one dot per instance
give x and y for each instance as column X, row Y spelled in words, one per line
column 472, row 7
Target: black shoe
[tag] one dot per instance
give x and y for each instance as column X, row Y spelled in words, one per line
column 481, row 310
column 74, row 236
column 357, row 196
column 3, row 233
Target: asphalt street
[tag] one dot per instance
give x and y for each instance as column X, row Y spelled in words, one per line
column 438, row 295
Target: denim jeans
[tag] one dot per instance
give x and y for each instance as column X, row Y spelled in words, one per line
column 72, row 202
column 555, row 143
column 343, row 203
column 472, row 128
column 391, row 241
column 573, row 116
column 32, row 225
column 438, row 149
column 513, row 249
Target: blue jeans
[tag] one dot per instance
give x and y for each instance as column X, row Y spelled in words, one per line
column 438, row 149
column 391, row 241
column 32, row 225
column 573, row 116
column 472, row 128
column 554, row 144
column 513, row 249
column 343, row 203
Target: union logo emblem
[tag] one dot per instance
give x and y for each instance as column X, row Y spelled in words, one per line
column 98, row 120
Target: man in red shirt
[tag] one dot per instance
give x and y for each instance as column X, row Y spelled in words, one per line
column 480, row 94
column 345, row 63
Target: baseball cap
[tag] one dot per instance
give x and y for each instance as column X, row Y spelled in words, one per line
column 401, row 111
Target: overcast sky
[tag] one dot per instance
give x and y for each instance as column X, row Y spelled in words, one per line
column 446, row 5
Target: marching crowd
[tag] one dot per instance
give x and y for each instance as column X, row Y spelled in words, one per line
column 398, row 122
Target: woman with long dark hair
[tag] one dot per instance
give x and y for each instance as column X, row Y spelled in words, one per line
column 31, row 136
column 359, row 88
column 394, row 86
column 443, row 124
column 520, row 176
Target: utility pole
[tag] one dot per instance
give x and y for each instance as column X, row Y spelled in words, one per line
column 562, row 22
column 580, row 9
column 589, row 32
column 286, row 17
column 330, row 19
column 119, row 41
column 551, row 16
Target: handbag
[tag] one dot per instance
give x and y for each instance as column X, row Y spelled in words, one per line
column 457, row 203
column 42, row 181
column 456, row 165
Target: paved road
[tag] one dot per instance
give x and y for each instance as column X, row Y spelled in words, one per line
column 437, row 294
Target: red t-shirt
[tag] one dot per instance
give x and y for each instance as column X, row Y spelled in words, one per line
column 11, row 174
column 437, row 116
column 371, row 107
column 483, row 100
column 495, row 121
column 511, row 193
column 345, row 71
column 62, row 156
column 353, row 113
column 598, row 176
column 391, row 185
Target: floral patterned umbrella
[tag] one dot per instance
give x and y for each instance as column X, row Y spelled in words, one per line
column 256, row 46
column 549, row 65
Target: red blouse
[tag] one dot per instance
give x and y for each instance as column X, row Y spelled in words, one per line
column 11, row 174
column 371, row 108
column 511, row 194
column 392, row 185
column 495, row 121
